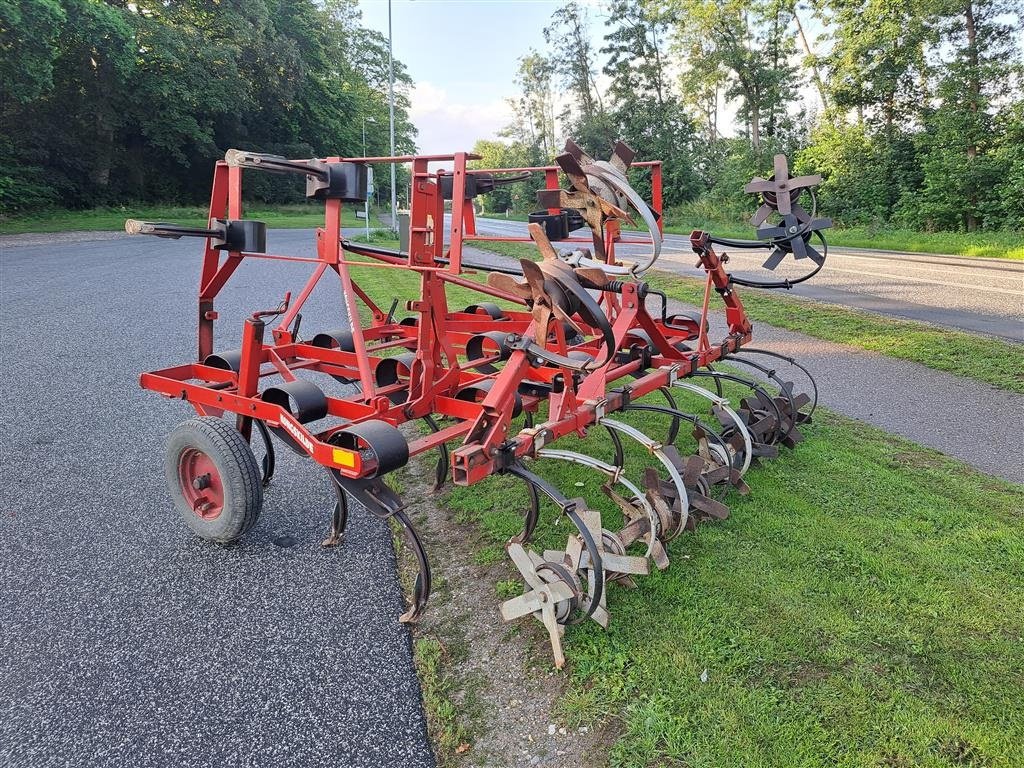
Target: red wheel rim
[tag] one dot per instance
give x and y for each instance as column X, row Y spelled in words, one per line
column 200, row 483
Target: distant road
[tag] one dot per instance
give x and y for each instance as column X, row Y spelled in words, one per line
column 978, row 295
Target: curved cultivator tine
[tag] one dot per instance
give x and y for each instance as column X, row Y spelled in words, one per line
column 384, row 503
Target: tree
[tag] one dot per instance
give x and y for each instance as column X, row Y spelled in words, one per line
column 646, row 111
column 572, row 57
column 105, row 102
column 877, row 64
column 751, row 44
column 28, row 38
column 534, row 108
column 962, row 170
column 521, row 196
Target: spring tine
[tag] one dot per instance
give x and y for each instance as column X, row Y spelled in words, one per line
column 592, row 519
column 383, row 502
column 339, row 515
column 658, row 451
column 268, row 457
column 530, row 516
column 795, row 364
column 443, row 462
column 421, row 587
column 721, row 406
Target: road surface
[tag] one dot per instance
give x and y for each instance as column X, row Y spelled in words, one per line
column 978, row 295
column 124, row 640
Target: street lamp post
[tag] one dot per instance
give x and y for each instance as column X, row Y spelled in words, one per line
column 366, row 202
column 391, row 117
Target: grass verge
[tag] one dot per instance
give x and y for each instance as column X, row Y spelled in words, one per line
column 999, row 244
column 989, row 360
column 449, row 735
column 276, row 217
column 860, row 608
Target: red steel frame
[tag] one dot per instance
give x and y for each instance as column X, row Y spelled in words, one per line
column 438, row 338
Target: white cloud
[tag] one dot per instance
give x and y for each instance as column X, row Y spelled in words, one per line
column 448, row 125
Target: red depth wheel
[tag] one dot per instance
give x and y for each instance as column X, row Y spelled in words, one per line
column 200, row 483
column 213, row 478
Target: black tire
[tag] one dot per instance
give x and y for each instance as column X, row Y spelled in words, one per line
column 229, row 504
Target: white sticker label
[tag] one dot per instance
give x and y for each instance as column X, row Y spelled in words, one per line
column 292, row 428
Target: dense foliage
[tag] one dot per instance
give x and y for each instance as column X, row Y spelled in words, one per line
column 104, row 102
column 916, row 113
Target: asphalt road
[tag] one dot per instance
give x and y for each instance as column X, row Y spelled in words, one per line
column 977, row 295
column 124, row 640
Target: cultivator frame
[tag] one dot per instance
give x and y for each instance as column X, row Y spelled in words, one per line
column 583, row 348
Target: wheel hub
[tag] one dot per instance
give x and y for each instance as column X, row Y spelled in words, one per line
column 201, row 483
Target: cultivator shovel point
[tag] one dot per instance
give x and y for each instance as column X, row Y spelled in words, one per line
column 572, row 345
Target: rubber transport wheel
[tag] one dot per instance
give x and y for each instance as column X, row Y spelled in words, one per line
column 214, row 479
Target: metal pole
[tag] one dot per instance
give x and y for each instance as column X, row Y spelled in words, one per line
column 366, row 202
column 391, row 115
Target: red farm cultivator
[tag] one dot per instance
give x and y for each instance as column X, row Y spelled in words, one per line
column 588, row 344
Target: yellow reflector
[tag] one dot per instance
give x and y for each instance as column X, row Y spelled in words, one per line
column 344, row 458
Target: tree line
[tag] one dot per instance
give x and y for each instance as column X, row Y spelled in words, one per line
column 917, row 118
column 103, row 102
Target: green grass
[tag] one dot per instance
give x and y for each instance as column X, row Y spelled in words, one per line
column 434, row 669
column 999, row 244
column 862, row 607
column 280, row 216
column 994, row 362
column 1003, row 244
column 525, row 250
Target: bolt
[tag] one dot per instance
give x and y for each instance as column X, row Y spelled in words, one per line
column 201, row 482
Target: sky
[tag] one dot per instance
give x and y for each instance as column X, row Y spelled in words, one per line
column 463, row 55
